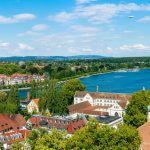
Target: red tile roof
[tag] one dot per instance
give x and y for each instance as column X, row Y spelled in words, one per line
column 144, row 132
column 96, row 95
column 11, row 137
column 69, row 125
column 11, row 122
column 80, row 107
column 36, row 101
column 3, row 76
column 85, row 108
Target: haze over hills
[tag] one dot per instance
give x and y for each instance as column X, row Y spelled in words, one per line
column 28, row 58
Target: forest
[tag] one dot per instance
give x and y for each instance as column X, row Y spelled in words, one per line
column 66, row 69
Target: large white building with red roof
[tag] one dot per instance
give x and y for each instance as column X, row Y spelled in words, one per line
column 99, row 103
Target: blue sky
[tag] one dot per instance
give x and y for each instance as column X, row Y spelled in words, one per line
column 74, row 27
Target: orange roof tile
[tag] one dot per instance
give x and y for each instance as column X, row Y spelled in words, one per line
column 96, row 95
column 36, row 101
column 144, row 132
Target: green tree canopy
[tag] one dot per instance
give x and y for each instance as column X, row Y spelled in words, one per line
column 136, row 113
column 92, row 137
column 70, row 87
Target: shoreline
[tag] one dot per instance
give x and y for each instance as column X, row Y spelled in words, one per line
column 123, row 70
column 86, row 76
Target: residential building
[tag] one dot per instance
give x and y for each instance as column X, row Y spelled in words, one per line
column 33, row 106
column 10, row 137
column 67, row 123
column 112, row 103
column 12, row 129
column 11, row 122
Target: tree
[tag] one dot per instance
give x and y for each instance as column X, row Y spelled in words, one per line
column 17, row 146
column 35, row 135
column 33, row 89
column 127, row 138
column 136, row 113
column 53, row 141
column 70, row 87
column 3, row 97
column 12, row 102
column 92, row 137
column 96, row 137
column 1, row 146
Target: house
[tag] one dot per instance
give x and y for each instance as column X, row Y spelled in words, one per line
column 112, row 121
column 85, row 108
column 10, row 137
column 33, row 106
column 4, row 80
column 11, row 122
column 113, row 104
column 67, row 123
column 24, row 104
column 12, row 129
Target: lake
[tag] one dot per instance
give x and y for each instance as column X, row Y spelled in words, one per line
column 115, row 82
column 118, row 82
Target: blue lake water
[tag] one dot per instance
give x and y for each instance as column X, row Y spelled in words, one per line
column 115, row 82
column 23, row 94
column 118, row 82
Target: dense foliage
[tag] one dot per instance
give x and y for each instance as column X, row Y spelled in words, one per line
column 136, row 113
column 9, row 103
column 73, row 68
column 91, row 137
column 55, row 96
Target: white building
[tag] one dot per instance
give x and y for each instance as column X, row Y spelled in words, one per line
column 112, row 103
column 33, row 106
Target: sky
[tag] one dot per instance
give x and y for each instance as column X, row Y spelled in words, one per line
column 74, row 27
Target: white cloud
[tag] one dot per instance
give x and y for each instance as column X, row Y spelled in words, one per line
column 82, row 28
column 4, row 44
column 108, row 48
column 34, row 30
column 87, row 50
column 17, row 18
column 145, row 19
column 84, row 1
column 39, row 27
column 99, row 13
column 135, row 47
column 62, row 17
column 28, row 33
column 23, row 46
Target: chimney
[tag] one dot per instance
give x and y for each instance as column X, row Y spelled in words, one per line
column 28, row 96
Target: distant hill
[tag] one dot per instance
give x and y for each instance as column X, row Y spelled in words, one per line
column 29, row 58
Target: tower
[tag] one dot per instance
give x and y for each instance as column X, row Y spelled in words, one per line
column 97, row 88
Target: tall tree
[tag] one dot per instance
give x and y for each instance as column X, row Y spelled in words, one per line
column 33, row 89
column 70, row 87
column 13, row 103
column 136, row 113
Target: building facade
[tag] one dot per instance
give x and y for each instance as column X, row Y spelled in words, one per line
column 112, row 103
column 33, row 106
